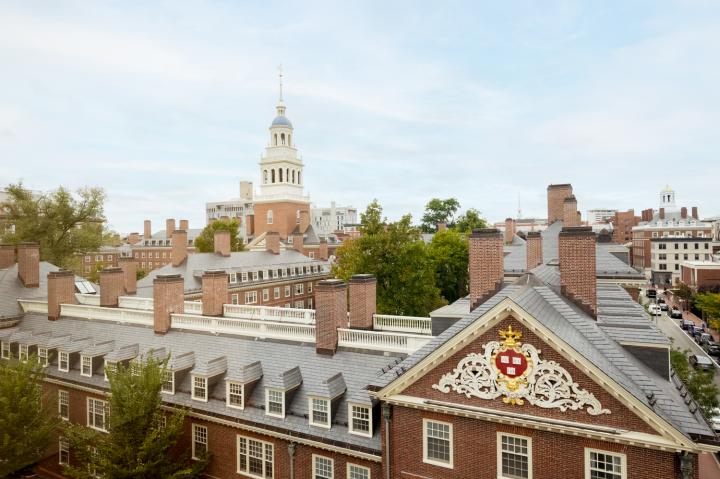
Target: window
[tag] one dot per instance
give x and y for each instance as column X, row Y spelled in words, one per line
column 697, row 257
column 233, row 277
column 514, row 456
column 287, row 291
column 319, row 412
column 299, row 288
column 323, row 467
column 98, row 257
column 360, row 420
column 64, row 362
column 43, row 356
column 64, row 404
column 199, row 390
column 109, row 368
column 251, row 297
column 234, row 298
column 63, row 451
column 168, row 382
column 270, row 213
column 309, row 288
column 255, row 458
column 200, row 441
column 255, row 275
column 311, row 254
column 235, row 395
column 266, row 294
column 87, row 259
column 5, row 349
column 663, row 256
column 299, row 304
column 23, row 355
column 96, row 414
column 275, row 402
column 276, row 293
column 662, row 246
column 677, row 246
column 86, row 366
column 310, row 303
column 357, row 472
column 604, row 465
column 243, row 277
column 437, row 443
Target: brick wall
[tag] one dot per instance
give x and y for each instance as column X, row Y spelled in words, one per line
column 129, row 267
column 556, row 195
column 534, row 249
column 285, row 217
column 577, row 266
column 60, row 290
column 570, row 212
column 485, row 264
column 623, row 223
column 330, row 313
column 214, row 292
column 168, row 298
column 363, row 301
column 28, row 258
column 112, row 285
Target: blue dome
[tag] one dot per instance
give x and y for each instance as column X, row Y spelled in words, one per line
column 281, row 121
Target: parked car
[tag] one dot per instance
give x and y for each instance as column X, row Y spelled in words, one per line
column 651, row 293
column 676, row 313
column 687, row 324
column 698, row 361
column 654, row 309
column 703, row 338
column 712, row 348
column 664, row 307
column 660, row 301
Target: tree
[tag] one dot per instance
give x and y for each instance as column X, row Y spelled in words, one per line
column 63, row 223
column 683, row 291
column 448, row 252
column 205, row 241
column 394, row 253
column 700, row 384
column 27, row 424
column 709, row 304
column 142, row 439
column 469, row 221
column 94, row 274
column 439, row 211
column 140, row 273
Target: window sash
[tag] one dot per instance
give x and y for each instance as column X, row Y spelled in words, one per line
column 64, row 404
column 64, row 362
column 235, row 395
column 438, row 443
column 85, row 366
column 514, row 456
column 320, row 412
column 275, row 403
column 43, row 356
column 5, row 350
column 200, row 440
column 604, row 465
column 355, row 471
column 323, row 467
column 360, row 420
column 199, row 390
column 63, row 451
column 23, row 352
column 168, row 382
column 96, row 414
column 255, row 458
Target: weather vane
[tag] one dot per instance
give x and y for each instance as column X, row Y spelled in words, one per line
column 280, row 76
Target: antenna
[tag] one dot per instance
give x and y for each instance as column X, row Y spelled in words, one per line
column 280, row 77
column 519, row 213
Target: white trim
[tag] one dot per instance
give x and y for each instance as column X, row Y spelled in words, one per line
column 91, row 424
column 267, row 402
column 351, row 429
column 435, row 462
column 62, row 392
column 623, row 461
column 315, row 457
column 350, row 464
column 5, row 349
column 195, row 428
column 62, row 354
column 82, row 365
column 498, row 447
column 163, row 381
column 43, row 358
column 204, row 398
column 63, row 446
column 23, row 352
column 228, row 384
column 311, row 410
column 265, row 445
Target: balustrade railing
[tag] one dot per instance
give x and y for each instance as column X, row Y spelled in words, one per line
column 404, row 324
column 245, row 327
column 381, row 340
column 134, row 302
column 268, row 313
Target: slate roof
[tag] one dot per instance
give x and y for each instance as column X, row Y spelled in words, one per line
column 309, row 235
column 162, row 235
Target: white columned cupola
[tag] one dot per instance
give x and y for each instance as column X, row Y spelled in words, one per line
column 667, row 198
column 281, row 169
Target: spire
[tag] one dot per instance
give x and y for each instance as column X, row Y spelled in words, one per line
column 280, row 78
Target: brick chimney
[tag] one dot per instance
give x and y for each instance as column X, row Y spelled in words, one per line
column 330, row 314
column 533, row 242
column 179, row 247
column 221, row 242
column 570, row 216
column 129, row 268
column 134, row 237
column 298, row 242
column 112, row 285
column 60, row 290
column 304, row 220
column 169, row 227
column 363, row 290
column 695, row 213
column 556, row 194
column 272, row 242
column 485, row 264
column 7, row 255
column 577, row 267
column 509, row 229
column 250, row 224
column 683, row 212
column 168, row 298
column 662, row 213
column 147, row 229
column 28, row 258
column 214, row 292
column 184, row 225
column 323, row 250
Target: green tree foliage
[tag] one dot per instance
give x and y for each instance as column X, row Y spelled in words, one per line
column 142, row 438
column 27, row 422
column 140, row 274
column 709, row 304
column 700, row 384
column 683, row 291
column 205, row 242
column 448, row 252
column 94, row 274
column 439, row 211
column 400, row 261
column 469, row 221
column 63, row 223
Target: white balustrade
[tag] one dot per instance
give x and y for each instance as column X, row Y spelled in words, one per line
column 404, row 324
column 193, row 307
column 245, row 327
column 268, row 313
column 381, row 340
column 89, row 299
column 119, row 315
column 33, row 306
column 135, row 302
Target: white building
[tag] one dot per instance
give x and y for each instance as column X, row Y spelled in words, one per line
column 668, row 253
column 599, row 216
column 235, row 208
column 335, row 218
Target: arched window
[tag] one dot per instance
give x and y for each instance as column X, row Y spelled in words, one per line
column 264, row 176
column 282, row 138
column 299, row 183
column 293, row 176
column 280, row 180
column 275, row 139
column 269, row 217
column 272, row 175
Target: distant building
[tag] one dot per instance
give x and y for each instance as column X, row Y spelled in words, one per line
column 239, row 209
column 623, row 223
column 669, row 253
column 599, row 216
column 701, row 275
column 327, row 221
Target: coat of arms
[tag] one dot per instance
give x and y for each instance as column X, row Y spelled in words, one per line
column 515, row 371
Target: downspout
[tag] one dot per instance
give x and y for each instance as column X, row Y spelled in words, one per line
column 387, row 414
column 291, row 452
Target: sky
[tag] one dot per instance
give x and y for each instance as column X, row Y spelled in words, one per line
column 166, row 104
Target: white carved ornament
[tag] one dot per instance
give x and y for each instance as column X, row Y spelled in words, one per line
column 515, row 371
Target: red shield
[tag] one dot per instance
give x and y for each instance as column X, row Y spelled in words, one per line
column 511, row 363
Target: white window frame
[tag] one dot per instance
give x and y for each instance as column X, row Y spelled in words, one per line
column 254, row 275
column 311, row 411
column 266, row 294
column 315, row 457
column 288, row 291
column 63, row 447
column 43, row 356
column 265, row 447
column 165, row 381
column 196, row 428
column 108, row 366
column 352, row 429
column 82, row 366
column 203, row 398
column 435, row 462
column 267, row 402
column 63, row 357
column 228, row 392
column 23, row 352
column 91, row 415
column 64, row 400
column 243, row 277
column 350, row 465
column 233, row 278
column 299, row 289
column 5, row 346
column 234, row 298
column 300, row 304
column 500, row 452
column 276, row 292
column 623, row 461
column 309, row 287
column 250, row 297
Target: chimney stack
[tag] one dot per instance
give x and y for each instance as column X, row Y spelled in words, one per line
column 272, row 242
column 168, row 298
column 129, row 268
column 214, row 292
column 184, row 225
column 298, row 242
column 179, row 247
column 577, row 267
column 363, row 290
column 28, row 258
column 330, row 314
column 570, row 216
column 134, row 238
column 60, row 290
column 534, row 253
column 556, row 194
column 147, row 230
column 695, row 213
column 169, row 227
column 7, row 255
column 683, row 212
column 486, row 266
column 323, row 250
column 662, row 213
column 112, row 285
column 304, row 220
column 221, row 242
column 509, row 230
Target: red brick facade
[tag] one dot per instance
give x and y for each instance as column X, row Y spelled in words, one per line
column 7, row 255
column 112, row 286
column 285, row 217
column 28, row 258
column 534, row 249
column 61, row 290
column 363, row 288
column 556, row 195
column 179, row 247
column 509, row 230
column 570, row 212
column 129, row 268
column 168, row 298
column 623, row 223
column 701, row 277
column 331, row 313
column 577, row 266
column 486, row 268
column 214, row 292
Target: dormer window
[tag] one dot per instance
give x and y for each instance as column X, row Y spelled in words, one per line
column 275, row 402
column 243, row 277
column 5, row 346
column 168, row 382
column 235, row 395
column 86, row 366
column 64, row 362
column 200, row 390
column 43, row 356
column 23, row 354
column 360, row 420
column 319, row 412
column 233, row 277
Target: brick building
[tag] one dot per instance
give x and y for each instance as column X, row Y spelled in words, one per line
column 701, row 275
column 623, row 223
